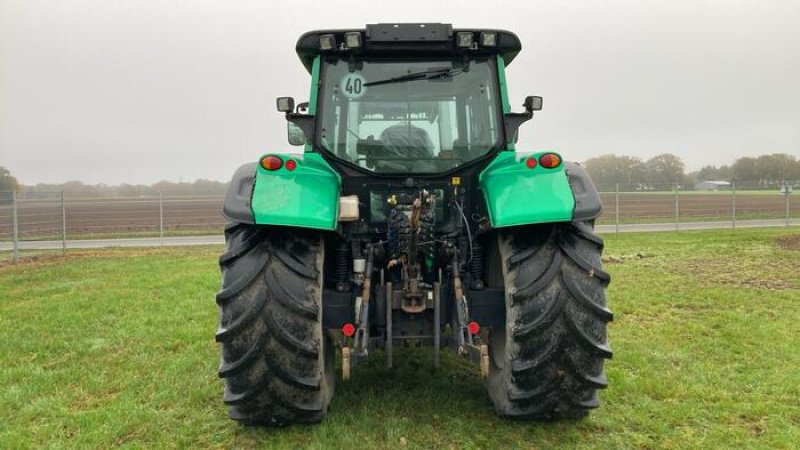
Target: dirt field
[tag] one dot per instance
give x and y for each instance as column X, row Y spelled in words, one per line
column 41, row 217
column 693, row 206
column 789, row 242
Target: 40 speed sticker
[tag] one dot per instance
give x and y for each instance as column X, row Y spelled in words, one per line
column 352, row 85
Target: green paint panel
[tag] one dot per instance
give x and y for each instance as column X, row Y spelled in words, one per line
column 306, row 197
column 518, row 195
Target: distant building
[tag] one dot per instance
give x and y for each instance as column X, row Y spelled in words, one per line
column 712, row 185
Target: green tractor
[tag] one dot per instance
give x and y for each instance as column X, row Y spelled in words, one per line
column 410, row 219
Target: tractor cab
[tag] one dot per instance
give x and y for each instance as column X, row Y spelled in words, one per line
column 407, row 98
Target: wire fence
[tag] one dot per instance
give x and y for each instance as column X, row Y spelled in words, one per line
column 63, row 218
column 60, row 219
column 725, row 204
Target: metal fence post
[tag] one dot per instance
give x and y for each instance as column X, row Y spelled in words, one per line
column 616, row 208
column 63, row 225
column 786, row 194
column 677, row 206
column 161, row 218
column 15, row 236
column 733, row 203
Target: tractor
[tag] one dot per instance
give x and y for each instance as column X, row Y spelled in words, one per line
column 410, row 219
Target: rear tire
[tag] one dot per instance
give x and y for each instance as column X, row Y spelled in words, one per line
column 547, row 363
column 277, row 363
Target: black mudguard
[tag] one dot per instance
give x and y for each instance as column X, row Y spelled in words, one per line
column 240, row 192
column 587, row 199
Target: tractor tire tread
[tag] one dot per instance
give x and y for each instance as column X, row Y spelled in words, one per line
column 276, row 361
column 554, row 343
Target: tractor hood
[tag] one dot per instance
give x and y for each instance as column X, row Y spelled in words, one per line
column 417, row 39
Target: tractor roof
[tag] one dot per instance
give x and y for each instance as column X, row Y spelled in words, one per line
column 408, row 39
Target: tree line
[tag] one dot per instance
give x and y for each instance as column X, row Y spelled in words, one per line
column 606, row 170
column 667, row 169
column 200, row 187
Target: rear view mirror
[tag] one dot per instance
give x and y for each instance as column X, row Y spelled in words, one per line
column 512, row 120
column 296, row 135
column 532, row 103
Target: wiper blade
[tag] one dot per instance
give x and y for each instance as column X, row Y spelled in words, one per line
column 430, row 74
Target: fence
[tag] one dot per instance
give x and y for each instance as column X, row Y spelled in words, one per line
column 56, row 216
column 738, row 203
column 61, row 219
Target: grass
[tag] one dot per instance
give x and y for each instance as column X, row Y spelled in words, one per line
column 115, row 348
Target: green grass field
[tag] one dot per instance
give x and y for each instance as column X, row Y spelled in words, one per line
column 116, row 348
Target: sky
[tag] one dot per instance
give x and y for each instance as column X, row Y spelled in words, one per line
column 140, row 91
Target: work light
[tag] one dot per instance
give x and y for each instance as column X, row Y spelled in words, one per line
column 285, row 104
column 464, row 39
column 488, row 39
column 352, row 40
column 327, row 42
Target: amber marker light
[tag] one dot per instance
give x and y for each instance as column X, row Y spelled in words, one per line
column 271, row 162
column 550, row 160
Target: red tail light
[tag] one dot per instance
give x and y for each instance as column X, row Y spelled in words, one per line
column 550, row 160
column 531, row 163
column 348, row 329
column 291, row 164
column 473, row 328
column 271, row 162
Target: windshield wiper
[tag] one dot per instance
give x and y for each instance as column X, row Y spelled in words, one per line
column 441, row 73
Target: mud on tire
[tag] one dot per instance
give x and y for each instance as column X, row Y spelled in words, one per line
column 275, row 359
column 548, row 361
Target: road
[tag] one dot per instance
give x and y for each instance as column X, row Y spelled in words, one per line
column 219, row 240
column 128, row 242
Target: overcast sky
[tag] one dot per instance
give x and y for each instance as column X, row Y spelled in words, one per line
column 139, row 91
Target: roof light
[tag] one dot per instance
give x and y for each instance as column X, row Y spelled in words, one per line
column 352, row 40
column 550, row 160
column 271, row 162
column 464, row 39
column 327, row 42
column 488, row 39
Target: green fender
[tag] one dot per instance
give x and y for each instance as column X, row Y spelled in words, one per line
column 306, row 197
column 518, row 195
